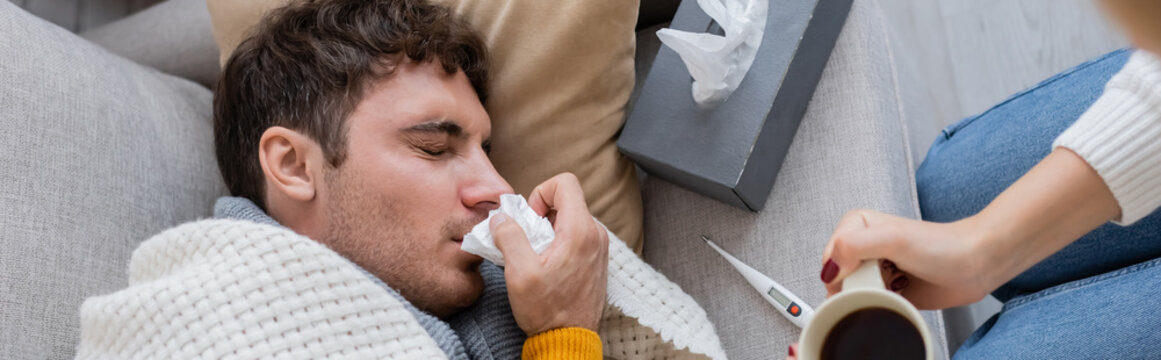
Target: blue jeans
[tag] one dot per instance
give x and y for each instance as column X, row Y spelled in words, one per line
column 1093, row 299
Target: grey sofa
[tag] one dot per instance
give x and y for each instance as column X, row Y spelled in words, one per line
column 107, row 141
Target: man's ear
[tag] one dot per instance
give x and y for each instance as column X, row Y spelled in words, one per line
column 287, row 158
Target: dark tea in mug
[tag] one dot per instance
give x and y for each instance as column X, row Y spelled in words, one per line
column 873, row 333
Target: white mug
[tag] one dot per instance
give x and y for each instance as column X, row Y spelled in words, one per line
column 861, row 290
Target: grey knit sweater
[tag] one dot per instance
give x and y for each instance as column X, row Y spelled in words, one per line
column 487, row 330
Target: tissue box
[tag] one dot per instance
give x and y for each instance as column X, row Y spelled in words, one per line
column 732, row 152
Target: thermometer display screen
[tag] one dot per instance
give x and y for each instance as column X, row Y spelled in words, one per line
column 781, row 299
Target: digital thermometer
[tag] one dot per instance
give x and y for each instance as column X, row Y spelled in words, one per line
column 789, row 305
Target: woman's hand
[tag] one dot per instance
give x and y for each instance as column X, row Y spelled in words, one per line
column 952, row 264
column 938, row 265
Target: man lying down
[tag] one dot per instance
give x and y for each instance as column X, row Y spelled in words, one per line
column 353, row 137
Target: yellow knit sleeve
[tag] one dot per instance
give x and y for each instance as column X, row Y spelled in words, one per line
column 572, row 343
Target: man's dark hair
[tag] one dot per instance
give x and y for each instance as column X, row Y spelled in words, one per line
column 306, row 67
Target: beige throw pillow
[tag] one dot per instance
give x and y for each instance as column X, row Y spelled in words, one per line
column 562, row 76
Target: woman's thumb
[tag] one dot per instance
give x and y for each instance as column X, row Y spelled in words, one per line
column 853, row 245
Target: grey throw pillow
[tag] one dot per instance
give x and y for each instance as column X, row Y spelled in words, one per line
column 97, row 153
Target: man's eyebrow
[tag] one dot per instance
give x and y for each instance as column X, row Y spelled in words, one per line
column 438, row 126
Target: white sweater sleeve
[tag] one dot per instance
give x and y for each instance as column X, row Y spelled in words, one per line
column 1120, row 137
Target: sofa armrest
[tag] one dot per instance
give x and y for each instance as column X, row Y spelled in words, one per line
column 173, row 36
column 851, row 151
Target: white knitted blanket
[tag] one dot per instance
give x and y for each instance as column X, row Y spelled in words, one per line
column 237, row 289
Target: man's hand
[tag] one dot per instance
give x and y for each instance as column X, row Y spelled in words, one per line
column 565, row 286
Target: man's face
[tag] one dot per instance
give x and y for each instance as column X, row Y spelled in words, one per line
column 415, row 180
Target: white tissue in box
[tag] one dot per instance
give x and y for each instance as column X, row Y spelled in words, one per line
column 719, row 63
column 536, row 228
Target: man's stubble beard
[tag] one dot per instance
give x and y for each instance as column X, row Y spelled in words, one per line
column 368, row 228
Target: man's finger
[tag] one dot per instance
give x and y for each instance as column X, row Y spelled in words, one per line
column 513, row 243
column 562, row 193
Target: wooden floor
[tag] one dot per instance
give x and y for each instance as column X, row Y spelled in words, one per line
column 976, row 53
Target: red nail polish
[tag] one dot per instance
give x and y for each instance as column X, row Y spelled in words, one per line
column 900, row 283
column 791, row 347
column 829, row 271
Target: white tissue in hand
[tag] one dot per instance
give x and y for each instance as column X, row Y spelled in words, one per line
column 536, row 228
column 718, row 63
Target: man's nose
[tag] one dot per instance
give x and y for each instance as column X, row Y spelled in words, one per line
column 485, row 186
